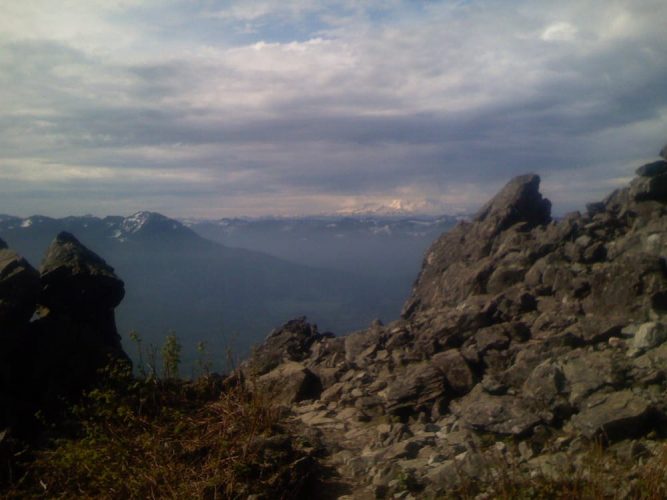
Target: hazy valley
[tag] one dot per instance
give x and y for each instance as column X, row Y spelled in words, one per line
column 229, row 282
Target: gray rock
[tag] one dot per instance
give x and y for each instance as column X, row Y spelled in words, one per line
column 408, row 448
column 458, row 374
column 504, row 277
column 595, row 208
column 553, row 466
column 616, row 414
column 291, row 342
column 648, row 336
column 420, row 385
column 289, row 383
column 519, row 201
column 544, row 387
column 360, row 345
column 652, row 169
column 653, row 361
column 649, row 188
column 496, row 414
column 586, row 372
column 457, row 264
column 493, row 337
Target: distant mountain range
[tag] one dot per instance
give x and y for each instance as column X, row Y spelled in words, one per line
column 340, row 272
column 371, row 245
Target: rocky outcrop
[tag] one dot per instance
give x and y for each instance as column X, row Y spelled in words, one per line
column 19, row 288
column 57, row 327
column 546, row 332
column 76, row 280
column 464, row 261
column 291, row 342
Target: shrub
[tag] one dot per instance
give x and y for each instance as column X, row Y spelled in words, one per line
column 171, row 356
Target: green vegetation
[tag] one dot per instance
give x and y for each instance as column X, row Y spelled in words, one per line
column 171, row 356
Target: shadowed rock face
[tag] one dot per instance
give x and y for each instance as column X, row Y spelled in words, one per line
column 57, row 329
column 19, row 287
column 76, row 280
column 517, row 325
column 519, row 201
column 651, row 183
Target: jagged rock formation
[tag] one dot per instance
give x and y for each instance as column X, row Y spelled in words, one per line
column 19, row 287
column 57, row 327
column 546, row 332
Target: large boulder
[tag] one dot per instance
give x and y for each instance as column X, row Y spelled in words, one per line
column 19, row 288
column 76, row 280
column 416, row 389
column 496, row 414
column 614, row 415
column 289, row 383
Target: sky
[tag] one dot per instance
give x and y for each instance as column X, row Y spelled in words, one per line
column 202, row 108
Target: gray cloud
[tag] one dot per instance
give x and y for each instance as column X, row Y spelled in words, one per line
column 442, row 105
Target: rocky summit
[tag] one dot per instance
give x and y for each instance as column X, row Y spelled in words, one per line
column 524, row 340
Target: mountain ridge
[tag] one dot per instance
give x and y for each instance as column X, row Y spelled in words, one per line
column 203, row 290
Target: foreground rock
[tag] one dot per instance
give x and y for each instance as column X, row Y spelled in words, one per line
column 548, row 332
column 57, row 328
column 19, row 287
column 76, row 280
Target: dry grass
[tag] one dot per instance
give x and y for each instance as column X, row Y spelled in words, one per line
column 135, row 438
column 600, row 475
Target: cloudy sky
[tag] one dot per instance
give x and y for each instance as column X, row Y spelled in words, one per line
column 214, row 108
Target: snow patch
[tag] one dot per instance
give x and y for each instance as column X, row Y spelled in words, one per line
column 134, row 223
column 381, row 230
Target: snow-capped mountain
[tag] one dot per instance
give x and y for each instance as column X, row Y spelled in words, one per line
column 395, row 208
column 379, row 245
column 138, row 227
column 341, row 226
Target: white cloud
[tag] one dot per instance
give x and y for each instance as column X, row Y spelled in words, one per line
column 560, row 32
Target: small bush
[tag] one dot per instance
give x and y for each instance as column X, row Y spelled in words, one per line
column 171, row 356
